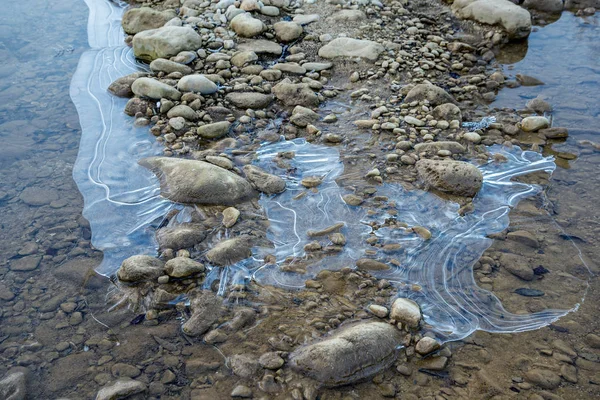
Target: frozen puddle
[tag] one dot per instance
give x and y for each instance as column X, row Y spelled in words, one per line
column 122, row 199
column 123, row 202
column 452, row 303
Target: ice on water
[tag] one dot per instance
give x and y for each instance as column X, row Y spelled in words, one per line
column 122, row 199
column 122, row 202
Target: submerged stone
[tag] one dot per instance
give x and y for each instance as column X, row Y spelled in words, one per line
column 199, row 182
column 230, row 251
column 206, row 309
column 352, row 353
column 13, row 386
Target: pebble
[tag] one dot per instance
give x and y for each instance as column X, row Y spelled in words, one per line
column 406, row 311
column 242, row 391
column 379, row 311
column 426, row 345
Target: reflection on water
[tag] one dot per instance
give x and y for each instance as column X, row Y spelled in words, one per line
column 565, row 55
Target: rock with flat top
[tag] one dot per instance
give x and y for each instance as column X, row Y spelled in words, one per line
column 140, row 19
column 348, row 47
column 454, row 177
column 516, row 21
column 406, row 311
column 121, row 389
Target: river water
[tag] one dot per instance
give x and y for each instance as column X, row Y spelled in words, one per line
column 54, row 318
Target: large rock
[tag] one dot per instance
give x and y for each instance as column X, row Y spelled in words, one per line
column 181, row 236
column 121, row 389
column 153, row 89
column 432, row 93
column 140, row 19
column 140, row 268
column 516, row 21
column 13, row 386
column 197, row 83
column 251, row 100
column 454, row 177
column 198, row 182
column 351, row 354
column 294, row 94
column 165, row 42
column 245, row 25
column 348, row 47
column 230, row 251
column 263, row 181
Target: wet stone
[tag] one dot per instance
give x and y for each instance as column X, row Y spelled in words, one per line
column 543, row 378
column 28, row 263
column 124, row 370
column 230, row 251
column 426, row 345
column 121, row 389
column 406, row 311
column 230, row 216
column 180, row 237
column 244, row 366
column 5, row 293
column 379, row 311
column 263, row 181
column 206, row 308
column 271, row 360
column 139, row 268
column 13, row 386
column 241, row 391
column 181, row 267
column 352, row 353
column 36, row 196
column 198, row 182
column 367, row 264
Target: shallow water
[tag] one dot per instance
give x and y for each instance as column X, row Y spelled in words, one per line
column 565, row 55
column 42, row 208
